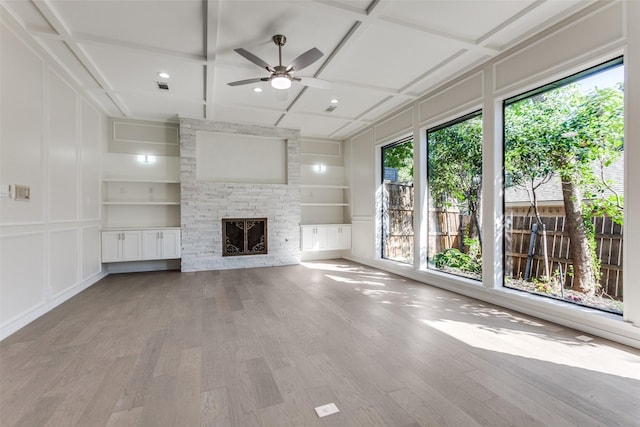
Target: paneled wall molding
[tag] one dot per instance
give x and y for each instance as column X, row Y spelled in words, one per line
column 398, row 123
column 440, row 106
column 52, row 142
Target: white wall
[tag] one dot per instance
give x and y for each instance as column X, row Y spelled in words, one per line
column 51, row 140
column 586, row 39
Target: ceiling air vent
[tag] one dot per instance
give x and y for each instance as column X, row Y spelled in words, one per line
column 330, row 108
column 163, row 85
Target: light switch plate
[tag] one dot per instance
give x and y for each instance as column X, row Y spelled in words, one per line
column 328, row 409
column 22, row 192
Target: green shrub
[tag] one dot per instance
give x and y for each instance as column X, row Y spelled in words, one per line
column 453, row 258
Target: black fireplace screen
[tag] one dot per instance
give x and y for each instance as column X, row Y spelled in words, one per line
column 244, row 236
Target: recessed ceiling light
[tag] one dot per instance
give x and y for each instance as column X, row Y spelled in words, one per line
column 257, row 89
column 163, row 75
column 334, row 101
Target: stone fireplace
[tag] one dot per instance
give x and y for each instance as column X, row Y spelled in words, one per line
column 206, row 201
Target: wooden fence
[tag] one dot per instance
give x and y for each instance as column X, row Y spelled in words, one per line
column 446, row 230
column 608, row 247
column 398, row 221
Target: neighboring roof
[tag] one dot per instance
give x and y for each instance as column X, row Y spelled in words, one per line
column 550, row 194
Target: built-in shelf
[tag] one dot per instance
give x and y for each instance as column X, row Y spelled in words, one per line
column 142, row 180
column 324, row 204
column 324, row 195
column 131, row 203
column 138, row 196
column 336, row 187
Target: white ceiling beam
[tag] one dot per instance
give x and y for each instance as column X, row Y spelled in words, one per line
column 83, row 38
column 56, row 23
column 211, row 10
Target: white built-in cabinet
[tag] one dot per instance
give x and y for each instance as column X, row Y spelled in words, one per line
column 161, row 244
column 118, row 246
column 326, row 237
column 138, row 245
column 324, row 203
column 141, row 192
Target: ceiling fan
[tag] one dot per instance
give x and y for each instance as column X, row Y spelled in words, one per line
column 281, row 76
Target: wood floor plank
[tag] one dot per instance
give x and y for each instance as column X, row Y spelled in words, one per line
column 159, row 402
column 266, row 389
column 103, row 402
column 187, row 405
column 214, row 408
column 133, row 396
column 40, row 412
column 263, row 347
column 128, row 418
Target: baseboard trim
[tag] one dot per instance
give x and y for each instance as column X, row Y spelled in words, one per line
column 19, row 322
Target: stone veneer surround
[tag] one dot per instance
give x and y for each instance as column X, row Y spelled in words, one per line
column 203, row 204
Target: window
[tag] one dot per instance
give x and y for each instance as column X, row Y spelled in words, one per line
column 397, row 201
column 563, row 198
column 454, row 174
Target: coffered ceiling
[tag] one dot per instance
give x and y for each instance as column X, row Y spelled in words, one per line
column 378, row 54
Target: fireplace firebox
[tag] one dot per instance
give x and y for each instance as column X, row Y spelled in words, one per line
column 244, row 236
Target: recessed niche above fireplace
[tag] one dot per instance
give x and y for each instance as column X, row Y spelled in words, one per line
column 244, row 236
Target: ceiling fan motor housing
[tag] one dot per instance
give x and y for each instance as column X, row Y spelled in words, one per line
column 279, row 39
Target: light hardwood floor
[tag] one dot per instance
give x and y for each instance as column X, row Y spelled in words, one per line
column 263, row 347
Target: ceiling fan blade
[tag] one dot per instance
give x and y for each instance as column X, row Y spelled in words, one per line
column 251, row 57
column 248, row 81
column 313, row 82
column 304, row 60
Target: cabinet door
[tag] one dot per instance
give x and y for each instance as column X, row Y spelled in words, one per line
column 131, row 245
column 333, row 236
column 111, row 247
column 151, row 244
column 170, row 243
column 307, row 237
column 320, row 242
column 344, row 237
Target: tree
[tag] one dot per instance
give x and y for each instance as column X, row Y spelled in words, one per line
column 455, row 169
column 573, row 135
column 400, row 157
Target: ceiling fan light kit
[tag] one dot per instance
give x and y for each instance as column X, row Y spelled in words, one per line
column 280, row 82
column 281, row 77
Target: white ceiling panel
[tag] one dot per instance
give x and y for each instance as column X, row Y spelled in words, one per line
column 352, row 101
column 159, row 24
column 378, row 58
column 134, row 70
column 534, row 21
column 312, row 125
column 469, row 19
column 380, row 54
column 225, row 113
column 163, row 106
